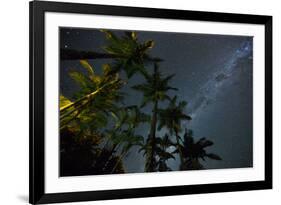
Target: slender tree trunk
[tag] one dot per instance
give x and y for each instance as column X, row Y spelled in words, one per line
column 179, row 148
column 118, row 161
column 150, row 164
column 110, row 155
column 70, row 54
column 150, row 156
column 86, row 97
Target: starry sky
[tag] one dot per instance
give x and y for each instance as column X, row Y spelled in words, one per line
column 213, row 74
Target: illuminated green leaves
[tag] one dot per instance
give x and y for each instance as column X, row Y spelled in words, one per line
column 86, row 65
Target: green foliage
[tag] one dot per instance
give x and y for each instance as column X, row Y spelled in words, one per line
column 87, row 66
column 131, row 115
column 172, row 116
column 161, row 152
column 131, row 54
column 162, row 145
column 64, row 101
column 155, row 88
column 97, row 97
column 88, row 115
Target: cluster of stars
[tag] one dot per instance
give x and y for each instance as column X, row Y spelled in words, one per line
column 68, row 33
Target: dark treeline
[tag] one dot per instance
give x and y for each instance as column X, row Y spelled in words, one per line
column 97, row 130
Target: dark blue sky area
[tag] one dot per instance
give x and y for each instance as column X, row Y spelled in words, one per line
column 213, row 74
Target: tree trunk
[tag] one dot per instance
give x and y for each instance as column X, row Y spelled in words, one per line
column 179, row 148
column 70, row 54
column 110, row 154
column 118, row 161
column 150, row 156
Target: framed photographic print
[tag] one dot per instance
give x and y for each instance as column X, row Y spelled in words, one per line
column 140, row 102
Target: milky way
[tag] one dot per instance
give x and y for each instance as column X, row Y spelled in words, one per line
column 208, row 92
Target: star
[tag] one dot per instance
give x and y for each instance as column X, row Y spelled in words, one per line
column 65, row 46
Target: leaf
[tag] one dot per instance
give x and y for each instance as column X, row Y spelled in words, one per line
column 166, row 155
column 213, row 156
column 109, row 35
column 131, row 35
column 205, row 143
column 182, row 104
column 100, row 120
column 64, row 101
column 134, row 35
column 186, row 117
column 79, row 78
column 149, row 44
column 140, row 87
column 96, row 79
column 136, row 139
column 169, row 77
column 86, row 65
column 106, row 69
column 130, row 72
column 175, row 151
column 171, row 88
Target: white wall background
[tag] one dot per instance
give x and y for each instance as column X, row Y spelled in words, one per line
column 14, row 100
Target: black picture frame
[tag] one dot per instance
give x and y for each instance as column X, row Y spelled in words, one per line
column 37, row 193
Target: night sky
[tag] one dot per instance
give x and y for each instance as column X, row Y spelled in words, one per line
column 213, row 74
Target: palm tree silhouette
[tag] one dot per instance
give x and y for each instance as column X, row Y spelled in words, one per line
column 193, row 151
column 154, row 90
column 171, row 118
column 162, row 151
column 132, row 54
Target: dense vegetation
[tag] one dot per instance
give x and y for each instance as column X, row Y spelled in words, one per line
column 97, row 129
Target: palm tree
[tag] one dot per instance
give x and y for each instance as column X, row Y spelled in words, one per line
column 193, row 151
column 119, row 139
column 83, row 121
column 171, row 118
column 154, row 90
column 162, row 145
column 129, row 54
column 132, row 54
column 123, row 135
column 97, row 96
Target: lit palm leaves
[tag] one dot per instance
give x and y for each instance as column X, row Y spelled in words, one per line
column 97, row 96
column 131, row 55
